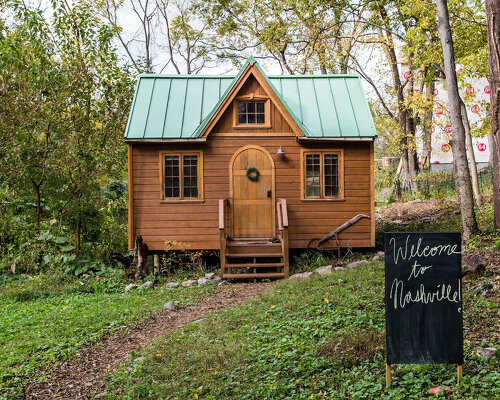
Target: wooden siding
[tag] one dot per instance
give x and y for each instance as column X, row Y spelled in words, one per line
column 197, row 224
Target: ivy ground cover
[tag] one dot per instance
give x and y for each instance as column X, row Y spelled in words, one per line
column 48, row 319
column 314, row 338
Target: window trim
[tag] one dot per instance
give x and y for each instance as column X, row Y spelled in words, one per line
column 181, row 154
column 252, row 98
column 322, row 152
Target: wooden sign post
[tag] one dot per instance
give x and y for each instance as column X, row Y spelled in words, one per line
column 423, row 296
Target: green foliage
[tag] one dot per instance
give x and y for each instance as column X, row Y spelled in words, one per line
column 49, row 317
column 428, row 184
column 284, row 346
column 309, row 260
column 64, row 101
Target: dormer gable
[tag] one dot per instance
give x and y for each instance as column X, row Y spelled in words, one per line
column 251, row 105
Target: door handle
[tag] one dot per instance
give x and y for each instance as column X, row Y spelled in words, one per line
column 269, row 193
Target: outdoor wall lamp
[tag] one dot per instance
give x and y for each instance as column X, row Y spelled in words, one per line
column 280, row 153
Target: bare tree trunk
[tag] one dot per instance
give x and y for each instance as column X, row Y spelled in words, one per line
column 410, row 131
column 140, row 257
column 471, row 156
column 406, row 181
column 493, row 19
column 38, row 206
column 490, row 146
column 427, row 125
column 462, row 176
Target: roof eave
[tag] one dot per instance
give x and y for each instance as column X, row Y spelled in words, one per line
column 335, row 139
column 156, row 141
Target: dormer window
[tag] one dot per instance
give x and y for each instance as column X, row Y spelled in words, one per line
column 252, row 111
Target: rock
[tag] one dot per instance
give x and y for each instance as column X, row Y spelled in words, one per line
column 146, row 285
column 217, row 278
column 172, row 284
column 130, row 287
column 325, row 270
column 301, row 275
column 379, row 256
column 356, row 264
column 210, row 275
column 222, row 283
column 203, row 281
column 189, row 282
column 170, row 306
column 488, row 352
column 475, row 265
column 339, row 268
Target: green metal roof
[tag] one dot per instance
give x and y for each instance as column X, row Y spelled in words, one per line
column 179, row 107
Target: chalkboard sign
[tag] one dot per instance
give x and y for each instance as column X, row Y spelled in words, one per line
column 423, row 296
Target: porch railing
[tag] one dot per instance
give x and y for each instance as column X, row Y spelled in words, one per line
column 222, row 234
column 282, row 213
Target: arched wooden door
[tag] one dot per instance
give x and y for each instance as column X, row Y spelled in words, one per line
column 252, row 201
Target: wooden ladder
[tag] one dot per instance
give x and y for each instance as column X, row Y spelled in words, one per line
column 254, row 258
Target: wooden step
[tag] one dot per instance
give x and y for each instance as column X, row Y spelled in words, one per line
column 261, row 275
column 236, row 242
column 251, row 265
column 239, row 248
column 252, row 255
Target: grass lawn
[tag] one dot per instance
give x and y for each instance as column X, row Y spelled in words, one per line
column 315, row 338
column 48, row 319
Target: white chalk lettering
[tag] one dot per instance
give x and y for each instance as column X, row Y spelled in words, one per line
column 442, row 292
column 415, row 251
column 417, row 270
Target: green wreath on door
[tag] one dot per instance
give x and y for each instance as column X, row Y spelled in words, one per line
column 253, row 174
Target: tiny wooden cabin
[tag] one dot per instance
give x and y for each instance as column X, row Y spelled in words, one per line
column 252, row 165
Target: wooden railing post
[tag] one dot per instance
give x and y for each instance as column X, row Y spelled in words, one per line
column 222, row 235
column 283, row 228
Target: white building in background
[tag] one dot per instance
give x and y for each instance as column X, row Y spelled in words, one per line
column 476, row 96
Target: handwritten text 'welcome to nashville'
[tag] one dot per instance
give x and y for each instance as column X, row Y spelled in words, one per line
column 413, row 253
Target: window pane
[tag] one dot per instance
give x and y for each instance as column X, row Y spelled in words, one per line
column 251, row 113
column 171, row 176
column 331, row 167
column 190, row 176
column 313, row 177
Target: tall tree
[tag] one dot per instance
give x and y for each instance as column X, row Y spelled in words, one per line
column 493, row 18
column 461, row 166
column 63, row 107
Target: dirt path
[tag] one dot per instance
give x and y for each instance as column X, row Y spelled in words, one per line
column 82, row 376
column 415, row 211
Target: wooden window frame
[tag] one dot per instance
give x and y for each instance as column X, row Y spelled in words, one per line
column 181, row 154
column 251, row 98
column 321, row 152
